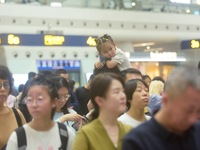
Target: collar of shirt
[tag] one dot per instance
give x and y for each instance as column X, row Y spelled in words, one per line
column 167, row 135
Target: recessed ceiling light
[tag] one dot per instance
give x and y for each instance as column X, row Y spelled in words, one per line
column 188, row 11
column 153, row 49
column 56, row 4
column 148, row 47
column 133, row 4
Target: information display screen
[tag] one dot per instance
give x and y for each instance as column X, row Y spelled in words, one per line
column 190, row 44
column 58, row 64
column 46, row 40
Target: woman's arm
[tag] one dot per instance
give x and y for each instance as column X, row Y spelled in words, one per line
column 70, row 117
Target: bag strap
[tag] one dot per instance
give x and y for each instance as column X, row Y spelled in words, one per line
column 63, row 136
column 18, row 119
column 22, row 143
column 21, row 138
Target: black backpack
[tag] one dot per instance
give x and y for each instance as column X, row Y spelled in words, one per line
column 22, row 143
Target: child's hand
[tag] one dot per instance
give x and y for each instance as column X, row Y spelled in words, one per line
column 102, row 59
column 98, row 65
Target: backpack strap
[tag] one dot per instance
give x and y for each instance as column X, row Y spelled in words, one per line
column 18, row 119
column 21, row 138
column 63, row 135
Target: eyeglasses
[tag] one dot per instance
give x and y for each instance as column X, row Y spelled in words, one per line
column 65, row 97
column 5, row 85
column 30, row 101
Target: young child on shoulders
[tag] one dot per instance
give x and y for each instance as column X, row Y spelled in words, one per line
column 110, row 55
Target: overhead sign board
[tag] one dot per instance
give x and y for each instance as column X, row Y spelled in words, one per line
column 46, row 40
column 190, row 44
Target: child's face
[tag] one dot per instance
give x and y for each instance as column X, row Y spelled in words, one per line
column 39, row 102
column 108, row 50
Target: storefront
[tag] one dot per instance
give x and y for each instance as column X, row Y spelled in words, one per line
column 156, row 64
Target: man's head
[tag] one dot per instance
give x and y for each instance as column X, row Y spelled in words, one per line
column 32, row 75
column 63, row 73
column 181, row 100
column 131, row 73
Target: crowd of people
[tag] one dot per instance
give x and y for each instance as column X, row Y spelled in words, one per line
column 118, row 109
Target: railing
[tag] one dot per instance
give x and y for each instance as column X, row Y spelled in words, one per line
column 134, row 5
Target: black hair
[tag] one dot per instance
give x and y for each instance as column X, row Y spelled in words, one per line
column 22, row 106
column 103, row 39
column 20, row 88
column 6, row 75
column 145, row 77
column 60, row 71
column 31, row 75
column 105, row 69
column 50, row 83
column 99, row 87
column 130, row 70
column 130, row 88
column 91, row 76
column 71, row 84
column 159, row 79
column 46, row 73
column 61, row 82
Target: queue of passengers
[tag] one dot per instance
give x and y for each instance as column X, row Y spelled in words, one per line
column 118, row 109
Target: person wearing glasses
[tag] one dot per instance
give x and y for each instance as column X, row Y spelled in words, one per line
column 110, row 55
column 64, row 113
column 42, row 133
column 8, row 121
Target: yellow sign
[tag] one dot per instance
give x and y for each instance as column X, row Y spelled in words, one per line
column 51, row 40
column 91, row 41
column 0, row 40
column 13, row 40
column 195, row 44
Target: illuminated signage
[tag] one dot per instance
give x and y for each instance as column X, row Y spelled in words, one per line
column 164, row 55
column 157, row 57
column 13, row 40
column 58, row 64
column 194, row 44
column 51, row 40
column 91, row 41
column 190, row 44
column 46, row 40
